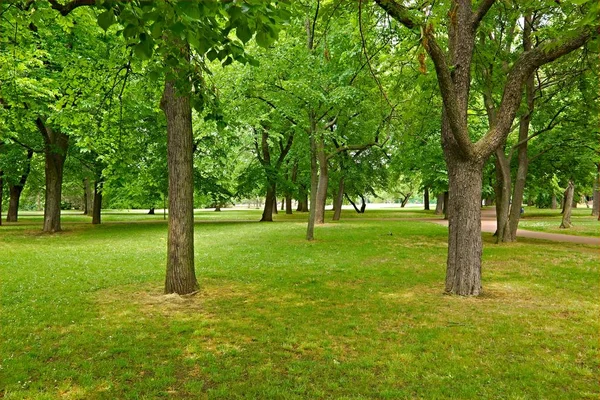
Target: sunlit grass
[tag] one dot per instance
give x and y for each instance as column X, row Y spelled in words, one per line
column 546, row 220
column 359, row 313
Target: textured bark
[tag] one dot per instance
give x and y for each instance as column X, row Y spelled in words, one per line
column 314, row 182
column 275, row 211
column 502, row 189
column 445, row 205
column 97, row 208
column 426, row 198
column 439, row 206
column 56, row 144
column 463, row 271
column 554, row 203
column 566, row 219
column 339, row 199
column 180, row 275
column 270, row 205
column 323, row 182
column 288, row 204
column 16, row 190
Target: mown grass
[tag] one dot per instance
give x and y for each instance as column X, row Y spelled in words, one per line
column 357, row 314
column 546, row 220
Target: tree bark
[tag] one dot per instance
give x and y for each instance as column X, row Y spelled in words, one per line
column 270, row 205
column 180, row 275
column 439, row 206
column 339, row 199
column 97, row 209
column 16, row 190
column 88, row 198
column 554, row 204
column 426, row 199
column 404, row 200
column 323, row 181
column 445, row 206
column 566, row 219
column 502, row 189
column 275, row 203
column 463, row 271
column 56, row 144
column 288, row 204
column 314, row 184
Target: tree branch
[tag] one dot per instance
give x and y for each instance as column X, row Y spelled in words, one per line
column 481, row 11
column 65, row 9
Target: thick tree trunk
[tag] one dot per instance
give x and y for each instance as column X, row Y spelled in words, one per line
column 566, row 219
column 323, row 182
column 97, row 209
column 180, row 276
column 275, row 204
column 339, row 199
column 270, row 205
column 13, row 203
column 463, row 270
column 426, row 199
column 439, row 206
column 56, row 144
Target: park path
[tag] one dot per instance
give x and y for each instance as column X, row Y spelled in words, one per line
column 488, row 224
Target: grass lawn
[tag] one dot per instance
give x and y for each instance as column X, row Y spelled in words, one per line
column 357, row 314
column 546, row 220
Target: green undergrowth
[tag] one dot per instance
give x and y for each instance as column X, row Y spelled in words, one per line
column 357, row 314
column 546, row 220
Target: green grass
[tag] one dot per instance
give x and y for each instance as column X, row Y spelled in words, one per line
column 546, row 220
column 357, row 314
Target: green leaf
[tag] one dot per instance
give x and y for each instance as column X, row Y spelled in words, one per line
column 189, row 9
column 106, row 19
column 243, row 32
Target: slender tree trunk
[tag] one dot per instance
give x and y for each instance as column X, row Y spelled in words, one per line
column 339, row 199
column 596, row 200
column 288, row 204
column 88, row 197
column 283, row 203
column 445, row 208
column 554, row 204
column 16, row 190
column 426, row 198
column 566, row 219
column 275, row 204
column 97, row 210
column 323, row 182
column 463, row 271
column 353, row 204
column 405, row 200
column 56, row 144
column 314, row 179
column 180, row 275
column 503, row 186
column 439, row 206
column 270, row 205
column 363, row 206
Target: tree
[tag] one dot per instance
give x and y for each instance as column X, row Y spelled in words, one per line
column 465, row 158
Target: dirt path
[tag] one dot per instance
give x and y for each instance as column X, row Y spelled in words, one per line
column 488, row 224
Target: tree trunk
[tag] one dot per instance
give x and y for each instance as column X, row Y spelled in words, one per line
column 13, row 203
column 426, row 199
column 16, row 190
column 56, row 144
column 275, row 203
column 88, row 197
column 314, row 179
column 596, row 200
column 502, row 189
column 445, row 207
column 97, row 210
column 323, row 182
column 405, row 199
column 151, row 211
column 282, row 203
column 180, row 275
column 463, row 270
column 439, row 206
column 566, row 219
column 554, row 204
column 288, row 204
column 363, row 206
column 339, row 199
column 270, row 205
